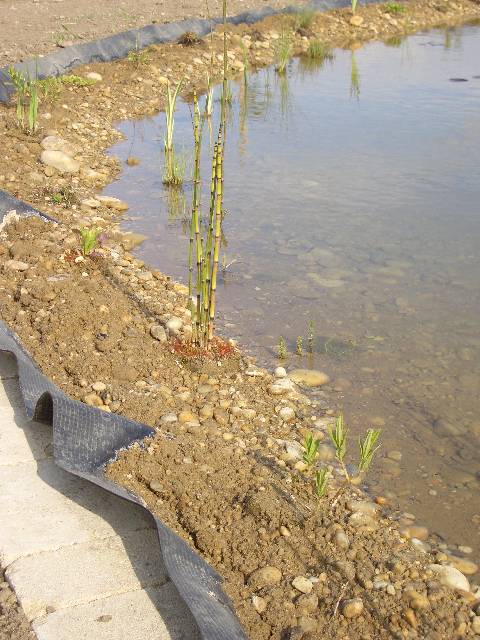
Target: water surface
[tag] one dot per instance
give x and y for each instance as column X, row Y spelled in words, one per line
column 352, row 192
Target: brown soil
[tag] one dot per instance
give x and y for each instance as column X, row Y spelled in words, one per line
column 218, row 471
column 90, row 324
column 13, row 623
column 30, row 29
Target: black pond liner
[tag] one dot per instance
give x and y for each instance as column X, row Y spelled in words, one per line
column 85, row 439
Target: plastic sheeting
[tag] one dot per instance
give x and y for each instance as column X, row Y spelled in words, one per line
column 119, row 45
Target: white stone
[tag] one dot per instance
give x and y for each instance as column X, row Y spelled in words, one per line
column 55, row 143
column 93, row 75
column 60, row 161
column 280, row 372
column 450, row 577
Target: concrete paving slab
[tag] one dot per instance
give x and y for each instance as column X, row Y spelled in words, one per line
column 147, row 614
column 83, row 573
column 31, row 501
column 22, row 440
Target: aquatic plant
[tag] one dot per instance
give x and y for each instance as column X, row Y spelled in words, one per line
column 299, row 347
column 321, row 482
column 304, row 18
column 89, row 239
column 27, row 100
column 311, row 336
column 318, row 51
column 354, row 78
column 246, row 65
column 394, row 7
column 282, row 348
column 205, row 239
column 209, row 98
column 174, row 169
column 310, row 449
column 283, row 51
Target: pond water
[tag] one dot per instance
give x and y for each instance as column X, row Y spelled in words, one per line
column 353, row 203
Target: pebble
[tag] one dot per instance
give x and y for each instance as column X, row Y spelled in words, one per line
column 259, row 604
column 287, row 414
column 285, row 532
column 55, row 143
column 91, row 203
column 309, row 377
column 186, row 416
column 341, row 539
column 16, row 265
column 174, row 325
column 450, row 577
column 93, row 400
column 414, row 531
column 395, row 455
column 356, row 21
column 416, row 600
column 158, row 332
column 156, row 486
column 93, row 75
column 302, row 584
column 476, row 624
column 112, row 203
column 280, row 372
column 467, row 567
column 264, row 577
column 168, row 418
column 411, row 618
column 352, row 608
column 280, row 387
column 99, row 386
column 60, row 161
column 363, row 506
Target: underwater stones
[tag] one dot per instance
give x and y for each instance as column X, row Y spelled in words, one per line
column 60, row 161
column 264, row 577
column 467, row 567
column 309, row 377
column 450, row 577
column 112, row 203
column 414, row 531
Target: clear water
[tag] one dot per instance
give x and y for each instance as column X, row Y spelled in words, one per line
column 353, row 199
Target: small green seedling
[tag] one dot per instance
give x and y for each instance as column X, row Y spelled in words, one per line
column 321, row 482
column 27, row 88
column 310, row 449
column 88, row 240
column 338, row 436
column 367, row 448
column 282, row 348
column 354, row 5
column 394, row 7
column 299, row 346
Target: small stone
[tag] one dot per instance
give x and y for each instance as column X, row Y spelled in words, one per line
column 132, row 162
column 155, row 486
column 341, row 539
column 302, row 584
column 174, row 325
column 411, row 618
column 168, row 418
column 158, row 332
column 356, row 21
column 112, row 203
column 476, row 624
column 450, row 577
column 93, row 400
column 308, row 625
column 264, row 577
column 352, row 608
column 280, row 372
column 414, row 531
column 287, row 414
column 206, row 411
column 285, row 532
column 363, row 506
column 186, row 416
column 91, row 203
column 16, row 265
column 395, row 455
column 259, row 604
column 309, row 377
column 55, row 143
column 60, row 161
column 221, row 416
column 228, row 436
column 99, row 386
column 417, row 600
column 467, row 567
column 93, row 75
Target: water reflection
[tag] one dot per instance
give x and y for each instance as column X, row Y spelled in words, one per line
column 360, row 216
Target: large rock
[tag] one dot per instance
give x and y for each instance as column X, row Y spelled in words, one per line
column 309, row 377
column 60, row 161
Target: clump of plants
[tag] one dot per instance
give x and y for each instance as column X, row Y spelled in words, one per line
column 205, row 234
column 174, row 169
column 283, row 51
column 367, row 447
column 76, row 81
column 189, row 39
column 319, row 52
column 89, row 240
column 282, row 348
column 27, row 99
column 304, row 19
column 394, row 7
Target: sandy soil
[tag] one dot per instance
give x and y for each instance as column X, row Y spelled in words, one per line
column 31, row 27
column 13, row 623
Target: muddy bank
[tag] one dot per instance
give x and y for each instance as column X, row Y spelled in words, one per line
column 226, row 468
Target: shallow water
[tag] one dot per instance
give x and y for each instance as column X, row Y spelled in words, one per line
column 352, row 192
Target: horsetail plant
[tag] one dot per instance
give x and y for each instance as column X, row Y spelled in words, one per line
column 311, row 336
column 282, row 348
column 173, row 168
column 27, row 88
column 338, row 436
column 299, row 348
column 205, row 241
column 368, row 449
column 283, row 52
